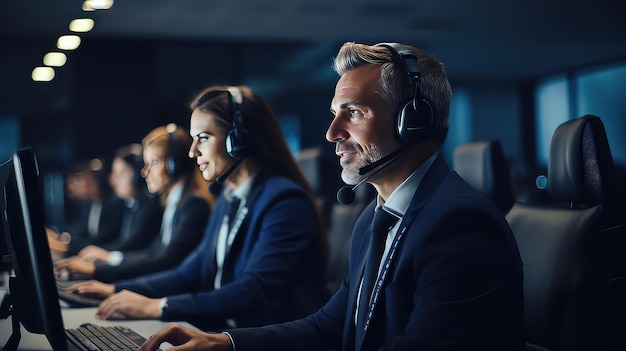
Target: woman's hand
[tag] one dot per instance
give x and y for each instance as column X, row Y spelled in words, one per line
column 127, row 304
column 76, row 264
column 92, row 253
column 92, row 288
column 187, row 339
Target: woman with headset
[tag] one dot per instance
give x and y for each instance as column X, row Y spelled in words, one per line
column 142, row 211
column 262, row 259
column 171, row 175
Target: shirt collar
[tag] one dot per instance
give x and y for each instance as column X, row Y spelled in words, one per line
column 175, row 195
column 129, row 201
column 399, row 200
column 242, row 191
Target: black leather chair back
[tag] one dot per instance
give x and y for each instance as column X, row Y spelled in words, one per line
column 322, row 172
column 482, row 164
column 572, row 248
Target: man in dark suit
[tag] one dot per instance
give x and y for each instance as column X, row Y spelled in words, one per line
column 449, row 276
column 97, row 211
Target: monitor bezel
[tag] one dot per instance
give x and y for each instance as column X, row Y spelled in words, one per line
column 32, row 287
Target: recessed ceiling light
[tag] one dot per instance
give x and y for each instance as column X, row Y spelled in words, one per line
column 68, row 42
column 81, row 25
column 87, row 6
column 43, row 74
column 54, row 59
column 98, row 4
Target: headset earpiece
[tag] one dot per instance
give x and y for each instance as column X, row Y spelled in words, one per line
column 414, row 120
column 237, row 139
column 176, row 160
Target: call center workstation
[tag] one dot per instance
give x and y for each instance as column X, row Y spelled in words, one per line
column 535, row 84
column 32, row 301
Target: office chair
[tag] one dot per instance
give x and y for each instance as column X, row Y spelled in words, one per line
column 342, row 220
column 573, row 248
column 321, row 171
column 482, row 164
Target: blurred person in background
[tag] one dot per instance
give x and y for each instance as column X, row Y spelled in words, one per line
column 170, row 174
column 95, row 214
column 142, row 212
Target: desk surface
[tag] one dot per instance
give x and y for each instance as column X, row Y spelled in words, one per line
column 72, row 318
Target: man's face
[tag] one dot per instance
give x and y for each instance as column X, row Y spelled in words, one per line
column 363, row 124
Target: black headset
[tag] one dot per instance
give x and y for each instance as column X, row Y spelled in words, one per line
column 177, row 162
column 414, row 120
column 237, row 139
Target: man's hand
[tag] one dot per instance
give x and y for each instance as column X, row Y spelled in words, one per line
column 76, row 264
column 129, row 304
column 187, row 339
column 94, row 253
column 92, row 288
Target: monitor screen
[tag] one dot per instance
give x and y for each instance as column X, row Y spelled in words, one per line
column 32, row 287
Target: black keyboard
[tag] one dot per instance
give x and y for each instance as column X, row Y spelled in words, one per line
column 92, row 337
column 74, row 299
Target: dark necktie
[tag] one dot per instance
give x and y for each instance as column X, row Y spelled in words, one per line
column 232, row 211
column 382, row 222
column 127, row 219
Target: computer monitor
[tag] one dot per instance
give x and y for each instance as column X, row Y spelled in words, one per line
column 32, row 293
column 5, row 259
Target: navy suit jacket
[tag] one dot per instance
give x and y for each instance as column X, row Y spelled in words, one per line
column 141, row 223
column 274, row 271
column 455, row 282
column 188, row 224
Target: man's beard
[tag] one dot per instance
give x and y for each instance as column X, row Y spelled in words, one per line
column 350, row 173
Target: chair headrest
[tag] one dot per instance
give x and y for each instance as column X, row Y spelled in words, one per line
column 309, row 161
column 580, row 165
column 482, row 164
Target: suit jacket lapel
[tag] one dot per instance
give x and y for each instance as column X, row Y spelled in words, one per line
column 431, row 179
column 220, row 212
column 356, row 273
column 242, row 232
column 235, row 249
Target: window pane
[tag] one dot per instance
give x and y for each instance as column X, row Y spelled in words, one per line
column 460, row 130
column 9, row 137
column 601, row 93
column 552, row 109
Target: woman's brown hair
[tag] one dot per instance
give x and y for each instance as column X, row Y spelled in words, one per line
column 266, row 144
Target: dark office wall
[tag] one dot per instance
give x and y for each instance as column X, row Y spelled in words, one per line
column 496, row 115
column 113, row 92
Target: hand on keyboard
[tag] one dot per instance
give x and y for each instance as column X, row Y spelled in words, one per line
column 91, row 288
column 130, row 304
column 74, row 299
